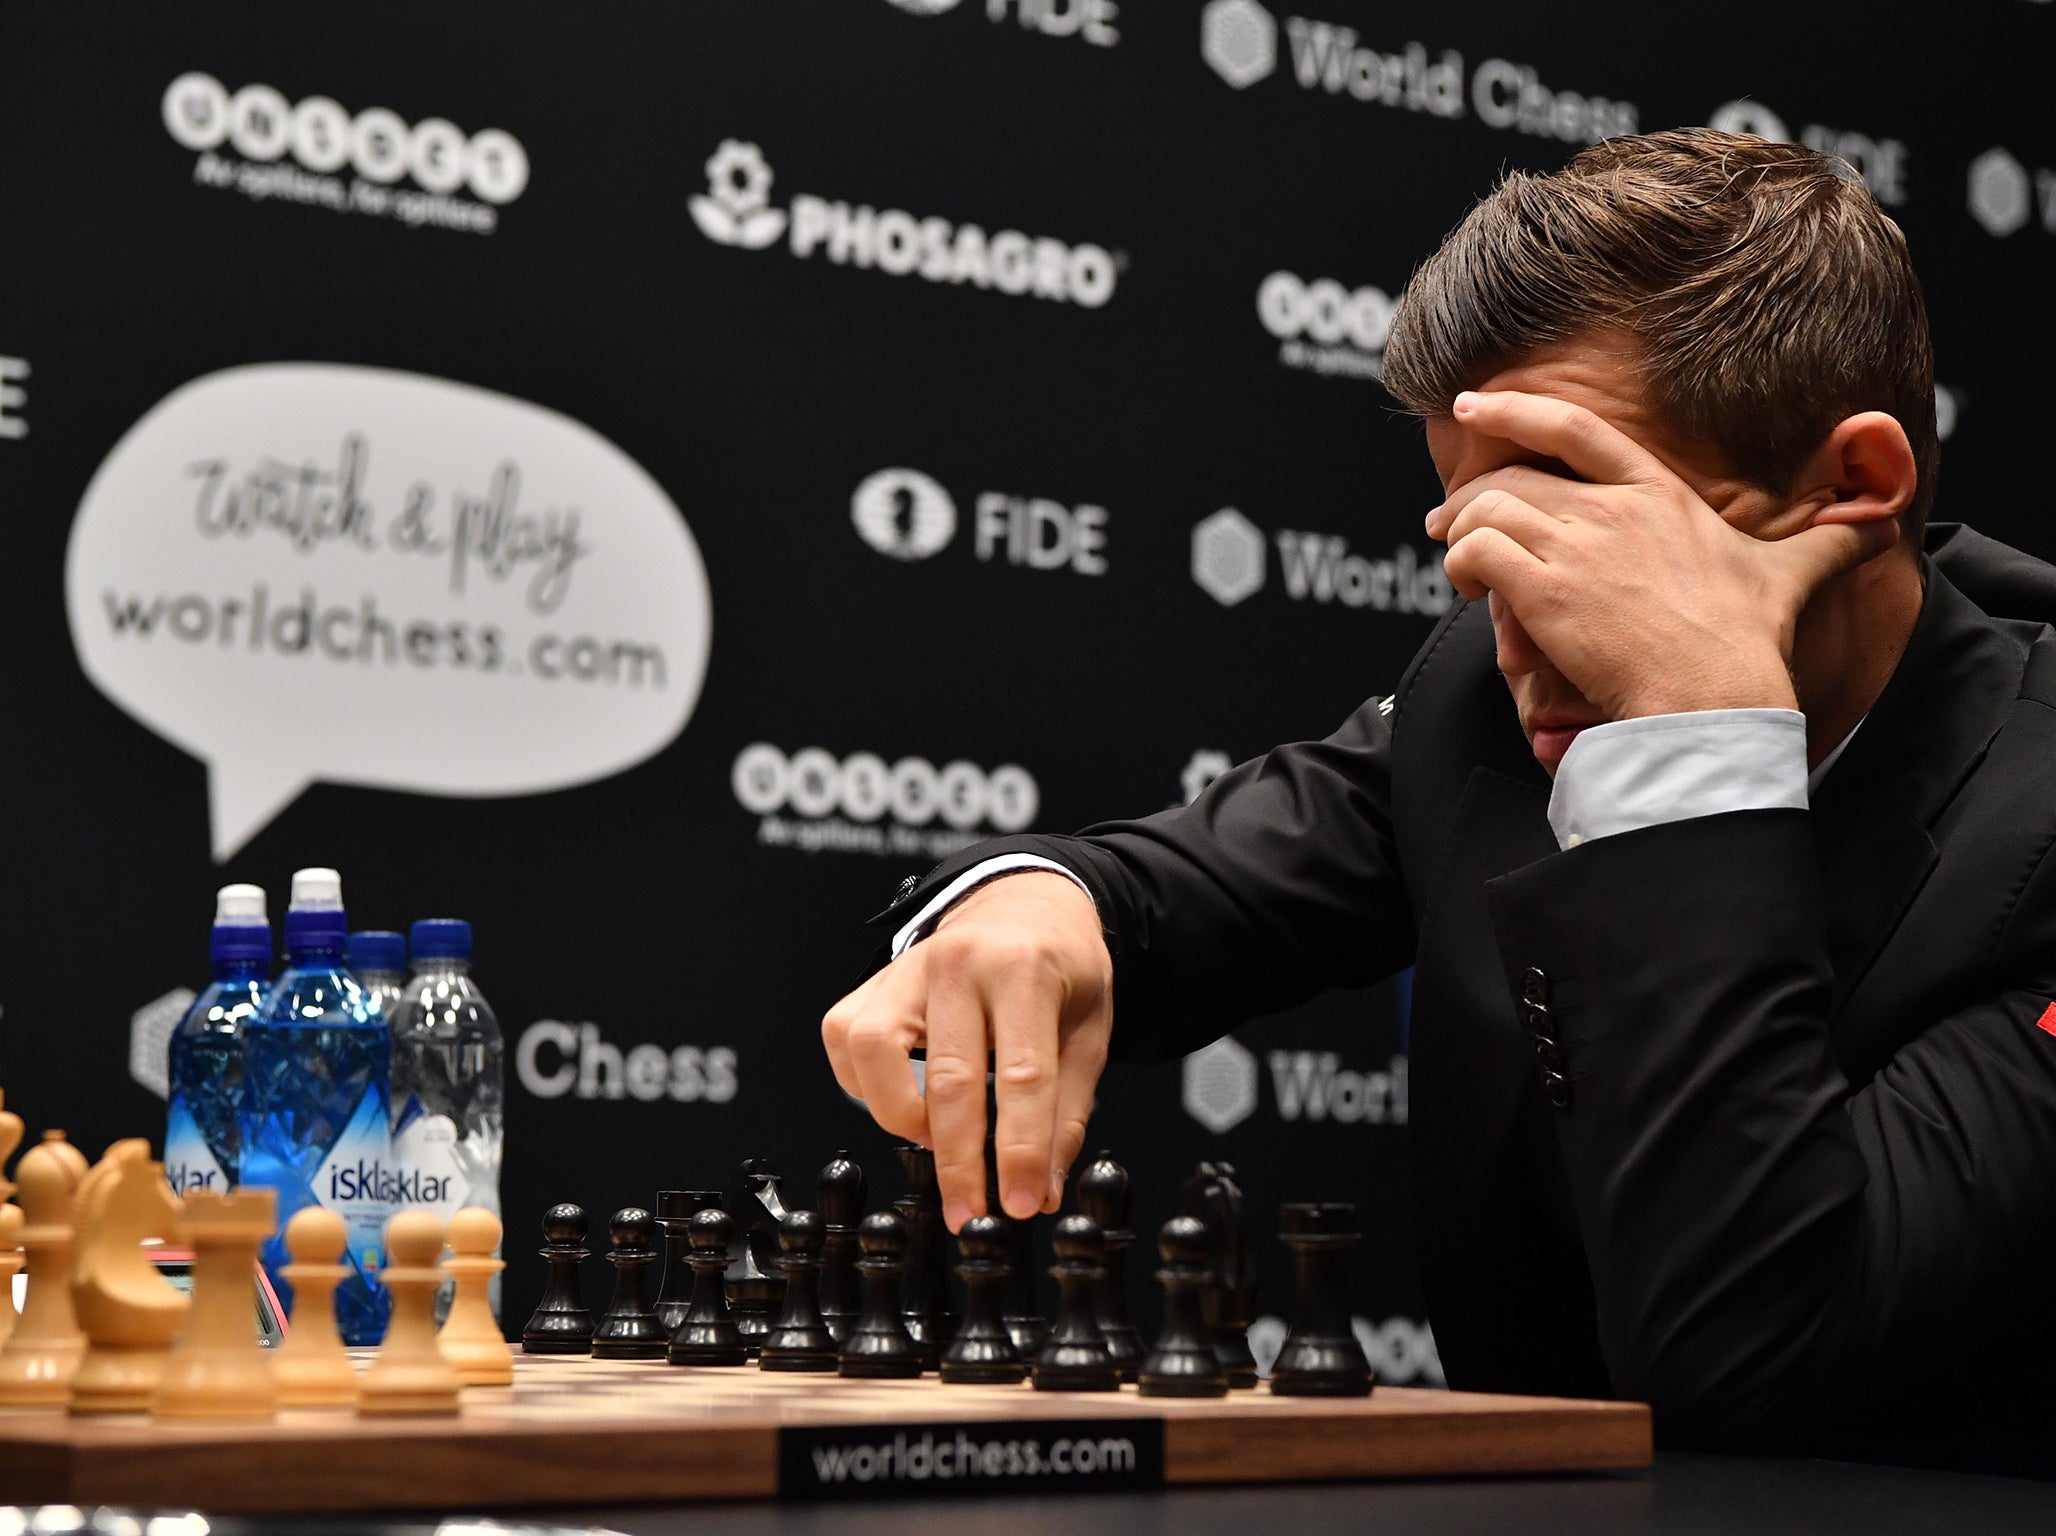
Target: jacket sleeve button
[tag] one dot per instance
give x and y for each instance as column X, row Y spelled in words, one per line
column 1534, row 986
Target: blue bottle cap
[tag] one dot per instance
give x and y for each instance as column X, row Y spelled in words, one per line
column 320, row 930
column 441, row 938
column 378, row 949
column 244, row 942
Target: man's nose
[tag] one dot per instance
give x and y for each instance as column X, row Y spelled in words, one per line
column 1518, row 655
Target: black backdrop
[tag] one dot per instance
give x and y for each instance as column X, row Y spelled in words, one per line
column 761, row 362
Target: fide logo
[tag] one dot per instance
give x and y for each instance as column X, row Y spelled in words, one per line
column 903, row 513
column 736, row 209
column 1881, row 164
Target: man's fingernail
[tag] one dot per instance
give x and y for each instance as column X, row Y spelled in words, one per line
column 955, row 1213
column 1022, row 1199
column 1466, row 403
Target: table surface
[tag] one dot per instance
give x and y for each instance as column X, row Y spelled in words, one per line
column 1684, row 1495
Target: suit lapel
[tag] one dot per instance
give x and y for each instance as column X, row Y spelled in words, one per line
column 1873, row 814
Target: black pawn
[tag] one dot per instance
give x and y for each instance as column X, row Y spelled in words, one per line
column 708, row 1335
column 840, row 1192
column 675, row 1208
column 1184, row 1362
column 1321, row 1357
column 879, row 1344
column 983, row 1351
column 924, row 1291
column 1214, row 1194
column 1074, row 1358
column 629, row 1331
column 561, row 1324
column 1023, row 1313
column 799, row 1340
column 1103, row 1195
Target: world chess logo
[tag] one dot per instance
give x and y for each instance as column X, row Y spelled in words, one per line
column 904, row 513
column 150, row 1030
column 2001, row 193
column 1228, row 557
column 1220, row 1085
column 736, row 207
column 1205, row 766
column 1239, row 39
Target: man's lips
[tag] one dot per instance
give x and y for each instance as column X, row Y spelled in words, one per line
column 1551, row 737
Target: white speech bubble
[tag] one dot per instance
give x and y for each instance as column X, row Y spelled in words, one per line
column 304, row 572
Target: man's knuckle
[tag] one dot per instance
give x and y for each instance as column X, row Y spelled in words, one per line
column 1024, row 1074
column 953, row 1076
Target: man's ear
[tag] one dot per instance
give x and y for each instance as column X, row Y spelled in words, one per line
column 1862, row 472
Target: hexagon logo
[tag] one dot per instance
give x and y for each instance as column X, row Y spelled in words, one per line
column 1751, row 117
column 2000, row 195
column 1220, row 1085
column 1227, row 557
column 1239, row 39
column 150, row 1028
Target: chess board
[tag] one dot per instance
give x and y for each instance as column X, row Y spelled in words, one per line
column 573, row 1430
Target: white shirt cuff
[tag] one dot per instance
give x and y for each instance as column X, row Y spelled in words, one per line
column 1629, row 774
column 967, row 882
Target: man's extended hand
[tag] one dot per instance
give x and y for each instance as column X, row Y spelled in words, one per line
column 1018, row 968
column 1635, row 589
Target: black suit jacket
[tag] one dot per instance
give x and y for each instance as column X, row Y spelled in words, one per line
column 1751, row 1116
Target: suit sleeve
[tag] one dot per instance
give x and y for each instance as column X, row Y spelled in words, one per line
column 1279, row 881
column 1769, row 1247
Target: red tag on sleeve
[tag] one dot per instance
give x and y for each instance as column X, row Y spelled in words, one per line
column 2048, row 1019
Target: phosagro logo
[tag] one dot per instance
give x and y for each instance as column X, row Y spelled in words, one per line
column 300, row 152
column 1220, row 1087
column 1238, row 39
column 1228, row 564
column 736, row 210
column 1326, row 328
column 909, row 516
column 1881, row 163
column 553, row 1059
column 859, row 804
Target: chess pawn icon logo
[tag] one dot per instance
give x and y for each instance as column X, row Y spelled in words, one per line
column 312, row 1367
column 218, row 1370
column 129, row 1312
column 471, row 1339
column 1321, row 1356
column 410, row 1376
column 37, row 1363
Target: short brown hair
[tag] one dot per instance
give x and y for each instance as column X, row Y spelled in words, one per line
column 1770, row 294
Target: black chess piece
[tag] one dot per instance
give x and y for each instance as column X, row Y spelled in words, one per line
column 1184, row 1362
column 1321, row 1357
column 1214, row 1194
column 756, row 1287
column 708, row 1336
column 879, row 1344
column 924, row 1291
column 675, row 1207
column 840, row 1193
column 799, row 1340
column 1103, row 1195
column 1021, row 1311
column 983, row 1353
column 561, row 1325
column 1074, row 1358
column 629, row 1331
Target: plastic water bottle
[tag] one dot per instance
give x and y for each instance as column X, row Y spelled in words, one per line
column 201, row 1134
column 448, row 1081
column 317, row 1063
column 378, row 959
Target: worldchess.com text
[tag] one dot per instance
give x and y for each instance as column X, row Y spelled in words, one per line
column 361, row 634
column 927, row 1459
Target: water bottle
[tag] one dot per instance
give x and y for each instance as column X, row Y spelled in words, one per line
column 201, row 1136
column 448, row 1081
column 317, row 1063
column 378, row 959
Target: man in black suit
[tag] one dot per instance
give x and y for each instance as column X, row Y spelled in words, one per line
column 1733, row 1076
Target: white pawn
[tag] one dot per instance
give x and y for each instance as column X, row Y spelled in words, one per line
column 471, row 1339
column 312, row 1367
column 410, row 1375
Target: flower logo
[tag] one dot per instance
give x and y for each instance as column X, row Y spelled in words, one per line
column 735, row 209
